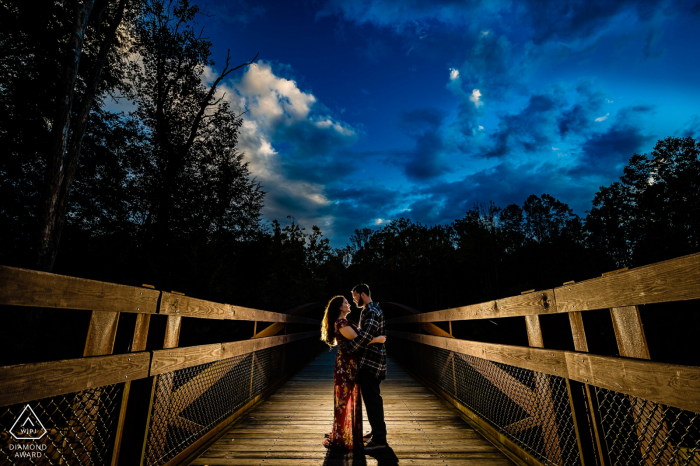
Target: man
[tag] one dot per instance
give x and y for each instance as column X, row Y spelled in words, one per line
column 372, row 367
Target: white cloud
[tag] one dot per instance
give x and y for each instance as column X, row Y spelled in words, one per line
column 476, row 98
column 379, row 221
column 481, row 128
column 485, row 33
column 454, row 74
column 555, row 148
column 603, row 118
column 609, row 101
column 276, row 107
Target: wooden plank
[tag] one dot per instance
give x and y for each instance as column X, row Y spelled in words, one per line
column 128, row 419
column 177, row 304
column 172, row 332
column 539, row 302
column 550, row 362
column 138, row 342
column 629, row 332
column 669, row 384
column 27, row 382
column 168, row 360
column 21, row 287
column 672, row 280
column 120, row 424
column 546, row 413
column 534, row 331
column 101, row 333
column 578, row 332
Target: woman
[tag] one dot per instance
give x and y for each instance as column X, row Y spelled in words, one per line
column 347, row 415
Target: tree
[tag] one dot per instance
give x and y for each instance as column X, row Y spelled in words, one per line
column 653, row 213
column 197, row 181
column 54, row 58
column 547, row 218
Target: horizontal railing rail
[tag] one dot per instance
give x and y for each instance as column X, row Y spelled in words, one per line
column 670, row 384
column 22, row 287
column 672, row 280
column 553, row 407
column 26, row 382
column 144, row 407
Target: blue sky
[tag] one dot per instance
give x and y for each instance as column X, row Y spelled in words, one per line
column 360, row 112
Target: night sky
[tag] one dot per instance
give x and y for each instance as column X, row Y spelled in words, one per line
column 360, row 112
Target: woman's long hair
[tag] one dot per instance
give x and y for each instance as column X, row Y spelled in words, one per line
column 329, row 317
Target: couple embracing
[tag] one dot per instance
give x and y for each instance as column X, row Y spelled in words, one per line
column 359, row 369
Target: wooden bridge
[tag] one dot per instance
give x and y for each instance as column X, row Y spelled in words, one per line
column 268, row 399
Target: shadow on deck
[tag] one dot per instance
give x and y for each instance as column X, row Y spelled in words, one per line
column 288, row 428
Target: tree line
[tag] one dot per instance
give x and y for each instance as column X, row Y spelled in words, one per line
column 161, row 194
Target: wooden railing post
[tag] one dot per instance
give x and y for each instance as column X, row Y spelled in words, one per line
column 102, row 332
column 136, row 404
column 547, row 413
column 632, row 343
column 128, row 415
column 591, row 443
column 161, row 398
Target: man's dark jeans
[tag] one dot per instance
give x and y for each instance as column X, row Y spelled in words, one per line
column 369, row 384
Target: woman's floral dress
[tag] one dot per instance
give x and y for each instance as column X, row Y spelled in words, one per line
column 347, row 416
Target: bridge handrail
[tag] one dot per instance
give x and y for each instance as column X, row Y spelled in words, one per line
column 125, row 405
column 670, row 384
column 568, row 407
column 671, row 280
column 23, row 287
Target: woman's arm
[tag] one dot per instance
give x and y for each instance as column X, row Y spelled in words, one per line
column 350, row 334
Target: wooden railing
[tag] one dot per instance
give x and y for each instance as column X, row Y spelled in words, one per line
column 622, row 410
column 110, row 409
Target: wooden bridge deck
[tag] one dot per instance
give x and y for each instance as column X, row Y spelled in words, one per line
column 288, row 428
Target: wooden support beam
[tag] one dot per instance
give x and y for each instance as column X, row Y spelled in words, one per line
column 172, row 332
column 584, row 415
column 101, row 333
column 139, row 340
column 632, row 343
column 135, row 412
column 546, row 414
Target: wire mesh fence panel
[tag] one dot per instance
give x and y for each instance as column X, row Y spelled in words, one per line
column 531, row 408
column 190, row 402
column 74, row 429
column 641, row 432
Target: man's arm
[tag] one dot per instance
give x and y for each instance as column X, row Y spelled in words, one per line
column 364, row 337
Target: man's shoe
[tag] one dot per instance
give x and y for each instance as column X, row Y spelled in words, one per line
column 372, row 446
column 367, row 437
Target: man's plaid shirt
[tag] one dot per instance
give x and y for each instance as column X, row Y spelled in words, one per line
column 372, row 357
